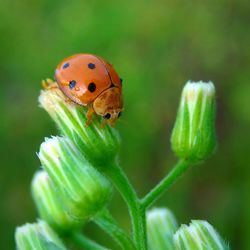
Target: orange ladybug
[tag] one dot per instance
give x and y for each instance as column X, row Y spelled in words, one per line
column 91, row 81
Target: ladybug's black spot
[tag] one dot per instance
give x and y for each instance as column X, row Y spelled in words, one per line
column 112, row 85
column 92, row 87
column 72, row 84
column 91, row 65
column 107, row 116
column 65, row 65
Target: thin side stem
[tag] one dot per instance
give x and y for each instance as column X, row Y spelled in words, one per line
column 136, row 210
column 86, row 243
column 165, row 183
column 106, row 222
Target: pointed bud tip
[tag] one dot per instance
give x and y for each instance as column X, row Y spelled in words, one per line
column 40, row 177
column 192, row 88
column 198, row 233
column 37, row 236
column 51, row 144
column 50, row 95
column 161, row 225
column 48, row 98
column 157, row 213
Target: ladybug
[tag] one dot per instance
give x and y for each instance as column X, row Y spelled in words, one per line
column 91, row 81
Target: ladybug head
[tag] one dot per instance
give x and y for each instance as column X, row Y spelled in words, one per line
column 109, row 104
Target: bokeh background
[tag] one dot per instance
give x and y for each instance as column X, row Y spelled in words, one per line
column 156, row 46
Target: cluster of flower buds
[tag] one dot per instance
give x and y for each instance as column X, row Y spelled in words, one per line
column 163, row 233
column 69, row 190
column 193, row 137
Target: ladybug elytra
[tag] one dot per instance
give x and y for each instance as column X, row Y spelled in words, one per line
column 91, row 81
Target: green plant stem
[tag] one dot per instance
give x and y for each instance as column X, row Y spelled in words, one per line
column 136, row 210
column 105, row 221
column 166, row 182
column 85, row 242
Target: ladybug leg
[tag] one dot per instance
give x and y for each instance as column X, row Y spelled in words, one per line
column 104, row 123
column 112, row 124
column 49, row 84
column 89, row 115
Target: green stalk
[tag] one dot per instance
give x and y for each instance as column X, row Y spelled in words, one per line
column 108, row 224
column 85, row 242
column 166, row 182
column 136, row 210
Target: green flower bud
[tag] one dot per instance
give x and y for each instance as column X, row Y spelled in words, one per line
column 193, row 137
column 99, row 145
column 161, row 226
column 49, row 204
column 37, row 236
column 83, row 190
column 198, row 235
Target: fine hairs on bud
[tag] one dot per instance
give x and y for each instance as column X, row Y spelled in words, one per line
column 199, row 235
column 37, row 236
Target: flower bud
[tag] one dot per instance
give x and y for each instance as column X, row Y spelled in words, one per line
column 193, row 137
column 49, row 205
column 99, row 145
column 38, row 236
column 161, row 226
column 198, row 235
column 82, row 189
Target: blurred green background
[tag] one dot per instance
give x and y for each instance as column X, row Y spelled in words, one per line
column 156, row 46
